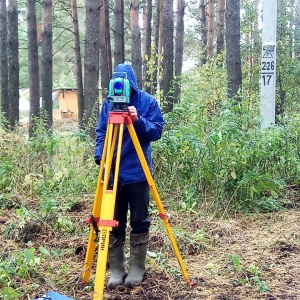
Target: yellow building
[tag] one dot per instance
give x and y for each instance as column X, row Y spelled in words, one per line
column 65, row 104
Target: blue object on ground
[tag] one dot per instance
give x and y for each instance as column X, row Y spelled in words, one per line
column 53, row 296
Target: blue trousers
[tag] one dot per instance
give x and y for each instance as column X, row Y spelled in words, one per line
column 134, row 197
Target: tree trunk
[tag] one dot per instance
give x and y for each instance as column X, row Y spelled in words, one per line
column 47, row 62
column 203, row 32
column 13, row 63
column 91, row 66
column 233, row 52
column 156, row 25
column 220, row 26
column 297, row 30
column 78, row 64
column 162, row 4
column 282, row 50
column 136, row 54
column 159, row 64
column 291, row 27
column 4, row 64
column 147, row 45
column 105, row 49
column 168, row 55
column 179, row 48
column 119, row 53
column 33, row 62
column 211, row 25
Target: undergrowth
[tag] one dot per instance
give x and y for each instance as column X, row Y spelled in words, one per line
column 212, row 155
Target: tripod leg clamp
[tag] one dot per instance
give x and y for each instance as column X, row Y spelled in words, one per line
column 92, row 220
column 163, row 216
column 97, row 222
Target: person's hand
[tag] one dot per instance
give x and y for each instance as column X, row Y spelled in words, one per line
column 133, row 113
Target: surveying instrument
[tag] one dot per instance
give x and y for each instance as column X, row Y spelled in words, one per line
column 101, row 221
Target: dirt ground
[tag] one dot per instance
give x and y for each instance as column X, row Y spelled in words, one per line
column 266, row 248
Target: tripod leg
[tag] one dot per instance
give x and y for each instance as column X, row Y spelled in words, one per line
column 106, row 220
column 95, row 214
column 93, row 233
column 108, row 144
column 158, row 202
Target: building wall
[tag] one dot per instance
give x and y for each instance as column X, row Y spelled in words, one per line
column 67, row 105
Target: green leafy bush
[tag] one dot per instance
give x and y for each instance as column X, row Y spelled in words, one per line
column 217, row 151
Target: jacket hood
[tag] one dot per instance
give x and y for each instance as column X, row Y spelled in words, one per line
column 125, row 68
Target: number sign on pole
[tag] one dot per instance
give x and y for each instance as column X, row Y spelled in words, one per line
column 268, row 63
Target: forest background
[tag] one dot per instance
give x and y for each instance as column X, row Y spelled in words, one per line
column 216, row 170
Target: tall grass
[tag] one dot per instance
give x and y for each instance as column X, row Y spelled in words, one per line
column 48, row 166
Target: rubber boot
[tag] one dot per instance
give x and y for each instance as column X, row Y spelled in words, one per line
column 138, row 251
column 116, row 257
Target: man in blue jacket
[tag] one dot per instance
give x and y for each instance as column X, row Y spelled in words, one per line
column 133, row 189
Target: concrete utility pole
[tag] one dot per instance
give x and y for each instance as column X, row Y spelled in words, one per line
column 268, row 63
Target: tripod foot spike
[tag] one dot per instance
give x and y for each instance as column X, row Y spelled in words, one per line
column 192, row 284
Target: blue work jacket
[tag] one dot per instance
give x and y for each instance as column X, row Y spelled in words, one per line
column 148, row 129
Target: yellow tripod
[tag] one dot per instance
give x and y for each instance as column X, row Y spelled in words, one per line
column 101, row 219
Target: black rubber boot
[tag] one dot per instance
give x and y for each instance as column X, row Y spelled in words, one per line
column 116, row 257
column 138, row 251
